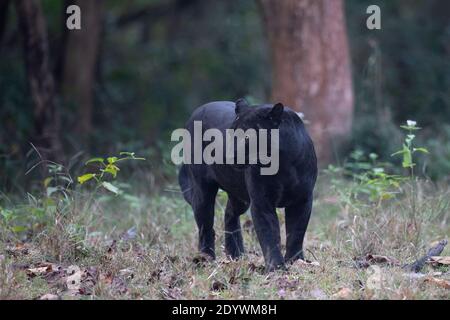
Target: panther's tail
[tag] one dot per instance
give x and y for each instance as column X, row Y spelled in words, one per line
column 185, row 183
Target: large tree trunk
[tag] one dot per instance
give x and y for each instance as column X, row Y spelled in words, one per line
column 40, row 78
column 80, row 62
column 311, row 66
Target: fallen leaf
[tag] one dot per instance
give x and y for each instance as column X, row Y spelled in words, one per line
column 439, row 260
column 306, row 263
column 344, row 293
column 88, row 280
column 73, row 279
column 106, row 278
column 438, row 282
column 49, row 296
column 371, row 259
column 39, row 271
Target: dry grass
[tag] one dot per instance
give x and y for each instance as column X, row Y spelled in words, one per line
column 85, row 252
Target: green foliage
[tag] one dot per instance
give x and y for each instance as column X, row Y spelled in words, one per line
column 106, row 166
column 369, row 176
column 55, row 210
column 409, row 149
column 373, row 190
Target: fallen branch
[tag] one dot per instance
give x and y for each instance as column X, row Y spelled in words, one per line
column 420, row 263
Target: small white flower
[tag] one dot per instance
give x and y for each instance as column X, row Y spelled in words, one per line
column 411, row 123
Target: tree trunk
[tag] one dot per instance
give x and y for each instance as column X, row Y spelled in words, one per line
column 40, row 78
column 80, row 62
column 311, row 66
column 4, row 6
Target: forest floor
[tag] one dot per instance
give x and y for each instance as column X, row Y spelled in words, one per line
column 145, row 247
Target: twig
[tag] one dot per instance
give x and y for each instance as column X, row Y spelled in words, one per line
column 312, row 254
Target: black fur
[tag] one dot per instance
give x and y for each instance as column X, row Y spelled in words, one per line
column 291, row 188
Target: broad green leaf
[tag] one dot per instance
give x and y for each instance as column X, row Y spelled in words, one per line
column 398, row 152
column 130, row 154
column 112, row 160
column 410, row 128
column 112, row 169
column 86, row 177
column 94, row 160
column 108, row 186
column 423, row 150
column 407, row 160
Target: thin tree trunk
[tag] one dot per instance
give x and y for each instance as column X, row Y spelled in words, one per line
column 4, row 6
column 80, row 61
column 311, row 66
column 40, row 78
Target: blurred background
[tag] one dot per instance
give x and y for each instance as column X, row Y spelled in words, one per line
column 137, row 69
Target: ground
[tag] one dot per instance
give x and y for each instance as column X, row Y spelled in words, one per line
column 141, row 246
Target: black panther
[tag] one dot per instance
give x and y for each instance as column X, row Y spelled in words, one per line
column 290, row 188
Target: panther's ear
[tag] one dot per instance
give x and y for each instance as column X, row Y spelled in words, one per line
column 241, row 104
column 275, row 113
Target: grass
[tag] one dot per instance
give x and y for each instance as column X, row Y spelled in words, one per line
column 141, row 246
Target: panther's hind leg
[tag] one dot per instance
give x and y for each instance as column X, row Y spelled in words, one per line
column 234, row 245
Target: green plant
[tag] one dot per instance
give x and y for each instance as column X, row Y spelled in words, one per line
column 407, row 152
column 54, row 219
column 370, row 180
column 107, row 167
column 374, row 198
column 409, row 149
